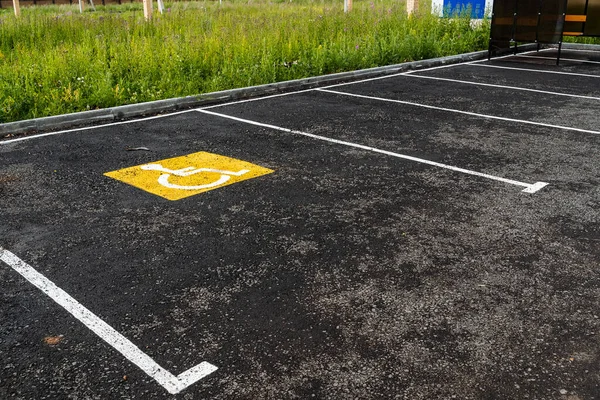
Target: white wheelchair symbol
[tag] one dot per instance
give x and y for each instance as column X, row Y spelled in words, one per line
column 183, row 172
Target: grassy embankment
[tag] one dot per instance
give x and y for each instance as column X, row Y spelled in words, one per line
column 54, row 60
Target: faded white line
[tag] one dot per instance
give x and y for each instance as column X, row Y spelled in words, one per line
column 533, row 70
column 529, row 187
column 561, row 59
column 173, row 384
column 520, row 121
column 20, row 139
column 503, row 86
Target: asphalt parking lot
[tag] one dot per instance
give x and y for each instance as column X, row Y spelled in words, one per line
column 429, row 235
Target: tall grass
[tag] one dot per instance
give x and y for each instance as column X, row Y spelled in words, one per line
column 54, row 60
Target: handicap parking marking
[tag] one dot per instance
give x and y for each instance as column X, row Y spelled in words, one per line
column 180, row 177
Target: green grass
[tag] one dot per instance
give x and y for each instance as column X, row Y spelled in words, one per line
column 54, row 60
column 583, row 40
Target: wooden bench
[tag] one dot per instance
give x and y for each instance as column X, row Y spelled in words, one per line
column 574, row 18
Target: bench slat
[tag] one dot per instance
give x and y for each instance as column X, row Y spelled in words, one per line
column 575, row 18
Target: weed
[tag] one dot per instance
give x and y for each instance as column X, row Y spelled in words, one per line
column 54, row 60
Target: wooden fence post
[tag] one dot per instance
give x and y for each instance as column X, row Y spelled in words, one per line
column 347, row 6
column 17, row 8
column 81, row 6
column 412, row 6
column 147, row 9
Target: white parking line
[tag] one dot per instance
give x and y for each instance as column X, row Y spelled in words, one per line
column 502, row 86
column 2, row 142
column 533, row 70
column 520, row 121
column 173, row 384
column 561, row 59
column 529, row 187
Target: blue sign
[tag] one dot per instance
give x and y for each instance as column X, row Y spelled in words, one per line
column 453, row 8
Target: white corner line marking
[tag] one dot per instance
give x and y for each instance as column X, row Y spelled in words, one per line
column 534, row 70
column 520, row 121
column 503, row 86
column 535, row 187
column 173, row 384
column 529, row 187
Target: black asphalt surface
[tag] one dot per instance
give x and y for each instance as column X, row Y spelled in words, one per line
column 346, row 273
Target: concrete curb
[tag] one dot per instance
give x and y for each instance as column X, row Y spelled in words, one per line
column 581, row 46
column 119, row 113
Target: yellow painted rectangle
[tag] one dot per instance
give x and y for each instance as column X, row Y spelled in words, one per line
column 180, row 177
